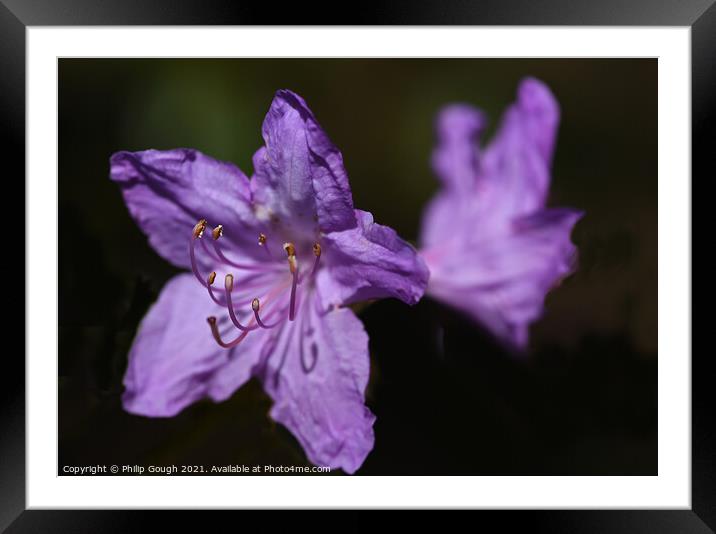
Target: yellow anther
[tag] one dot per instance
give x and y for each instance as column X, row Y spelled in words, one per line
column 290, row 249
column 199, row 228
column 217, row 232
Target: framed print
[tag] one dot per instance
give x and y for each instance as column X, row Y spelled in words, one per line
column 438, row 259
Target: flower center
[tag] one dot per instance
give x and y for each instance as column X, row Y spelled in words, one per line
column 278, row 287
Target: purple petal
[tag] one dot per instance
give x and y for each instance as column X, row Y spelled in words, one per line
column 167, row 192
column 174, row 361
column 540, row 113
column 456, row 156
column 456, row 162
column 318, row 386
column 515, row 173
column 510, row 179
column 442, row 218
column 502, row 280
column 299, row 175
column 368, row 262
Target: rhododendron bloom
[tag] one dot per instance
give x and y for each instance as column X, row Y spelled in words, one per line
column 493, row 249
column 274, row 260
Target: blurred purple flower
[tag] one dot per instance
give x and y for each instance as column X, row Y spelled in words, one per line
column 288, row 250
column 493, row 249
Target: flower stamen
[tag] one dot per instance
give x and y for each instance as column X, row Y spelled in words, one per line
column 229, row 287
column 262, row 243
column 226, row 298
column 293, row 267
column 291, row 253
column 199, row 228
column 317, row 254
column 197, row 233
column 209, row 283
column 292, row 305
column 255, row 306
column 222, row 257
column 217, row 337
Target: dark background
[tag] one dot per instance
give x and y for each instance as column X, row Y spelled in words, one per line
column 448, row 401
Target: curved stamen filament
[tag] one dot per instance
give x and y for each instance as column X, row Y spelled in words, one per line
column 317, row 254
column 196, row 234
column 217, row 337
column 229, row 287
column 307, row 332
column 209, row 286
column 255, row 306
column 223, row 258
column 262, row 243
column 209, row 252
column 314, row 359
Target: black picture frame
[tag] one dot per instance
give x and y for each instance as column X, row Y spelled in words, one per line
column 17, row 15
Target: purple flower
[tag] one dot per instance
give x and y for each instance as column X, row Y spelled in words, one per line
column 274, row 259
column 493, row 249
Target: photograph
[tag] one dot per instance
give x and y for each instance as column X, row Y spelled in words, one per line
column 357, row 266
